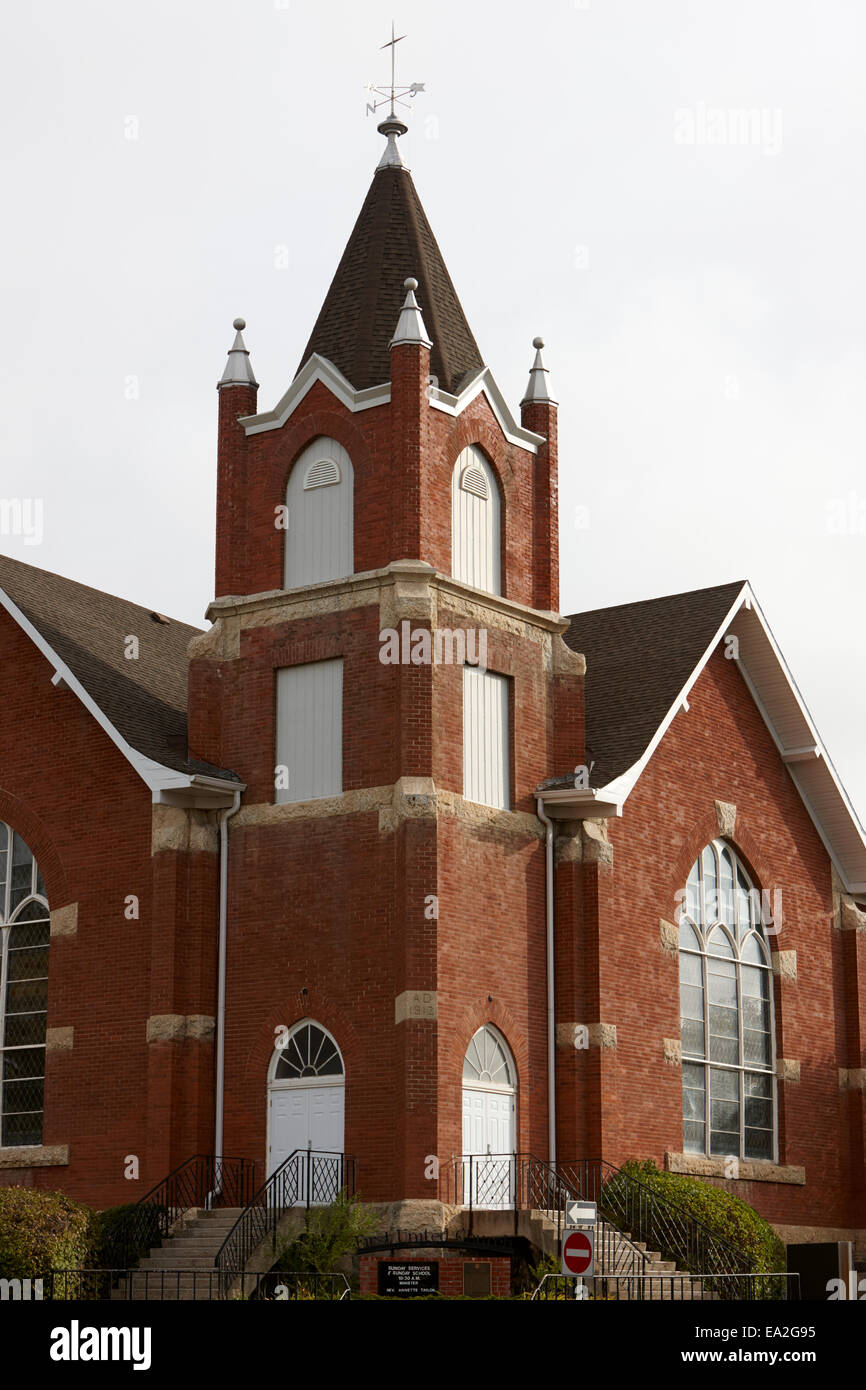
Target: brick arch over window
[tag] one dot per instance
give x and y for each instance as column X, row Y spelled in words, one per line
column 31, row 829
column 315, row 1006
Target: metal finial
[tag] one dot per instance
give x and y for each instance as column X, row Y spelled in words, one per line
column 410, row 325
column 392, row 96
column 538, row 389
column 238, row 369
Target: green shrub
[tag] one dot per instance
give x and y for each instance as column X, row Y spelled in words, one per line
column 726, row 1216
column 41, row 1231
column 331, row 1233
column 120, row 1236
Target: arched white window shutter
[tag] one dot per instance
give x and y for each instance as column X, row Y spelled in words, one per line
column 320, row 503
column 475, row 522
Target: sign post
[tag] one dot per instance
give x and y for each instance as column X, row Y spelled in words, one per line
column 578, row 1245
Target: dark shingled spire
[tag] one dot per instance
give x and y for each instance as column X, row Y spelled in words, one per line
column 391, row 241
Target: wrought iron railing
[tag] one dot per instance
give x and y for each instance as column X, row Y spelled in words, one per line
column 639, row 1214
column 668, row 1287
column 661, row 1224
column 308, row 1177
column 193, row 1285
column 203, row 1182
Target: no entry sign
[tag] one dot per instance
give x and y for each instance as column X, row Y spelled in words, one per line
column 577, row 1252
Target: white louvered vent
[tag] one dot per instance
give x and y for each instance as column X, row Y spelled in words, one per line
column 473, row 480
column 323, row 473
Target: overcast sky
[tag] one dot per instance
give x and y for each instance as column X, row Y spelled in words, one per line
column 672, row 193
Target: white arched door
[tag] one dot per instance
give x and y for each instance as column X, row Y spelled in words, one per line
column 306, row 1112
column 489, row 1121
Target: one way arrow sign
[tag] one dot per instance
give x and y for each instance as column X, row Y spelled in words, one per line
column 580, row 1214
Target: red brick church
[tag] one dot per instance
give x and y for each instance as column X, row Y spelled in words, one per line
column 395, row 861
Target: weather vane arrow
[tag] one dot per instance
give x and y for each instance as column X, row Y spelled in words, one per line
column 393, row 95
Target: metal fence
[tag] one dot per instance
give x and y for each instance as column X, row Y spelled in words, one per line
column 192, row 1285
column 673, row 1288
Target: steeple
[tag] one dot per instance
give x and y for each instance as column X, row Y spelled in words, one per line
column 391, row 242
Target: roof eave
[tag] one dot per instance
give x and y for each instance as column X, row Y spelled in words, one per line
column 804, row 754
column 161, row 780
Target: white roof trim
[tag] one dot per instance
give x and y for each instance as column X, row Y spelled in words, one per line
column 792, row 729
column 318, row 368
column 315, row 369
column 155, row 775
column 485, row 382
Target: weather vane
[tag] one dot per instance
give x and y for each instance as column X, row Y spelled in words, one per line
column 394, row 96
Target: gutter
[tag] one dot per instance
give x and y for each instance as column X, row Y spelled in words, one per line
column 219, row 1102
column 551, row 996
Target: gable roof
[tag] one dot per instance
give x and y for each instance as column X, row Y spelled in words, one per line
column 141, row 703
column 638, row 657
column 642, row 660
column 391, row 240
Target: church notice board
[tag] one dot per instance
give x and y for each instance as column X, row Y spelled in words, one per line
column 408, row 1278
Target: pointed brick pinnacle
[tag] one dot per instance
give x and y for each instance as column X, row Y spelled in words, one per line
column 410, row 325
column 238, row 368
column 538, row 392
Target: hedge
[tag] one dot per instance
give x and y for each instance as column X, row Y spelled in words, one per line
column 725, row 1215
column 41, row 1231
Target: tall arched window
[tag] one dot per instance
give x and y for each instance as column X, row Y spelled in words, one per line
column 475, row 522
column 320, row 520
column 729, row 1096
column 24, row 933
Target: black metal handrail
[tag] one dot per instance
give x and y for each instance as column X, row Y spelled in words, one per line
column 203, row 1181
column 660, row 1223
column 637, row 1212
column 308, row 1177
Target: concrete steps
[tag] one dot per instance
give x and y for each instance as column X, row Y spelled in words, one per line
column 618, row 1255
column 182, row 1267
